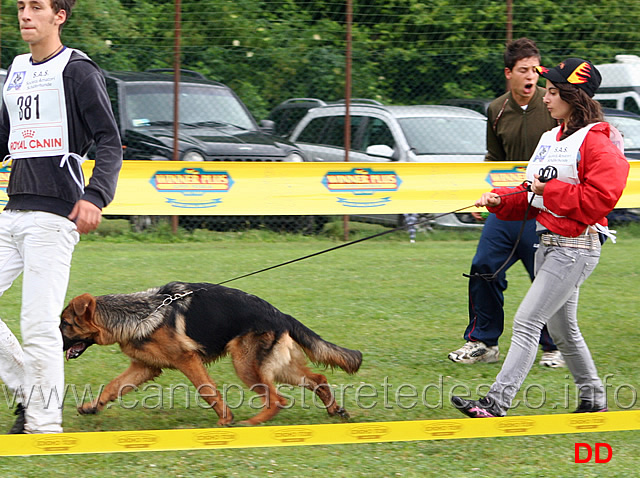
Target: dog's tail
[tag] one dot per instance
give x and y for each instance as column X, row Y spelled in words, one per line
column 320, row 351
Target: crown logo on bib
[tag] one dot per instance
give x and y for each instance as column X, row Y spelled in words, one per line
column 28, row 133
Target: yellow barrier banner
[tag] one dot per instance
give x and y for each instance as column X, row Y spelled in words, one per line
column 325, row 434
column 263, row 188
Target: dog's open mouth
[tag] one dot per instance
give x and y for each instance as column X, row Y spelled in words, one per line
column 76, row 349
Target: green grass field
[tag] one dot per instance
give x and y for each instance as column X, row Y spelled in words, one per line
column 403, row 305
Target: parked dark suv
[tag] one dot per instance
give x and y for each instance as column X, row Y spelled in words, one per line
column 214, row 124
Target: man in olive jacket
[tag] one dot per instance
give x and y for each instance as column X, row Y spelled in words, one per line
column 516, row 120
column 513, row 131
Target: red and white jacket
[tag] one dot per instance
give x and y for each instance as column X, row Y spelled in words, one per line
column 602, row 172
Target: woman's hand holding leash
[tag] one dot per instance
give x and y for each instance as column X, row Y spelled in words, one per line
column 537, row 186
column 488, row 199
column 492, row 199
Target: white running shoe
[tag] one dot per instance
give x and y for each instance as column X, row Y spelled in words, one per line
column 473, row 352
column 552, row 359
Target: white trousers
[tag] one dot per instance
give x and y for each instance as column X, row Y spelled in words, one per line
column 40, row 246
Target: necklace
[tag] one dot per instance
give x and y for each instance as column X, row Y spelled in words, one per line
column 48, row 56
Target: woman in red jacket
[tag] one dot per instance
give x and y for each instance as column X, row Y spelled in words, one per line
column 576, row 176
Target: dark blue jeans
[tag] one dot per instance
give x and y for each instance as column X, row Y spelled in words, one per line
column 486, row 298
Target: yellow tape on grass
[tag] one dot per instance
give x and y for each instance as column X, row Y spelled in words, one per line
column 332, row 434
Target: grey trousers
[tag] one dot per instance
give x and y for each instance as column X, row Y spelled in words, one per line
column 552, row 300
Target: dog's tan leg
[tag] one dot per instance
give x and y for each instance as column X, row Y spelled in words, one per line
column 272, row 402
column 299, row 374
column 246, row 366
column 195, row 371
column 136, row 374
column 317, row 383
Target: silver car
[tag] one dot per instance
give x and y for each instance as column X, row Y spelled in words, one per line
column 380, row 133
column 425, row 133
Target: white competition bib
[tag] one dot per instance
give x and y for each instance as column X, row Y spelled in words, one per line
column 35, row 99
column 556, row 159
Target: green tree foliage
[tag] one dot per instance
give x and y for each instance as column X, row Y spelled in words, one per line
column 403, row 51
column 95, row 27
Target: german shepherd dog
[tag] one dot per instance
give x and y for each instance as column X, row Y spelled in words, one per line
column 184, row 326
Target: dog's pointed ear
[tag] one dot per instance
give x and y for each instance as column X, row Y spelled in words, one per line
column 84, row 306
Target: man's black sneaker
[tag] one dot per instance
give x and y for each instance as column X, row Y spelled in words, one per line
column 589, row 407
column 483, row 408
column 18, row 426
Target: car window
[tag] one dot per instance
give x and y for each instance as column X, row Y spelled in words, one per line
column 439, row 135
column 630, row 130
column 112, row 91
column 334, row 135
column 329, row 130
column 313, row 132
column 147, row 104
column 631, row 105
column 608, row 103
column 287, row 119
column 376, row 132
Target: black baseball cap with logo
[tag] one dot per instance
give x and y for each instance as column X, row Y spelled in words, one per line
column 576, row 71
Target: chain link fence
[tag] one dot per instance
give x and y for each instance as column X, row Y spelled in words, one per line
column 262, row 53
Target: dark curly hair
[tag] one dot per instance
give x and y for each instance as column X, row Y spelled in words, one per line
column 584, row 109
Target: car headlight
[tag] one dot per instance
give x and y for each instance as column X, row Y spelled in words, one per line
column 294, row 158
column 192, row 156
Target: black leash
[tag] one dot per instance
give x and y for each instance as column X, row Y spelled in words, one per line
column 545, row 174
column 356, row 242
column 494, row 275
column 344, row 245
